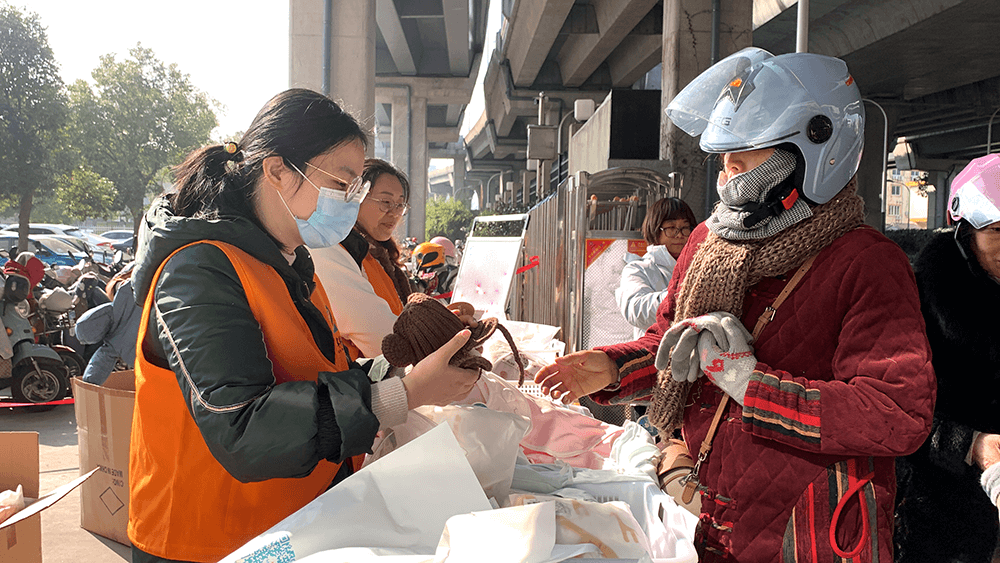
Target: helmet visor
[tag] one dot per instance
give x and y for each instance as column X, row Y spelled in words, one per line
column 692, row 108
column 761, row 109
column 969, row 202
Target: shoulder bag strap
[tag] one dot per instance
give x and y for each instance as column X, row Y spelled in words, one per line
column 691, row 481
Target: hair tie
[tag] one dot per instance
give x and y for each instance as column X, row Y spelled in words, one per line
column 234, row 156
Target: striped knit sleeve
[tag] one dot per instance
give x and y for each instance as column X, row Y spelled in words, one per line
column 782, row 410
column 637, row 376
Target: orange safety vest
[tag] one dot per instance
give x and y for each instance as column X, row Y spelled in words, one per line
column 183, row 504
column 384, row 288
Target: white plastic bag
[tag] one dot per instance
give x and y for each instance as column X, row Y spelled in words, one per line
column 556, row 431
column 671, row 537
column 489, row 437
column 393, row 438
column 491, row 440
column 399, row 504
column 12, row 502
column 609, row 526
column 535, row 342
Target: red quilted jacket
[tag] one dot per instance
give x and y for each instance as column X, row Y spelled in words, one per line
column 843, row 384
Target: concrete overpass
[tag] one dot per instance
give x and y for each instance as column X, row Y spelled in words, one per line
column 928, row 64
column 407, row 68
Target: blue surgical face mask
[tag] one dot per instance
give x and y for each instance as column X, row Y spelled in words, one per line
column 333, row 218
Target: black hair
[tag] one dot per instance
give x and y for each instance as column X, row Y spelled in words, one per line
column 374, row 169
column 665, row 209
column 297, row 125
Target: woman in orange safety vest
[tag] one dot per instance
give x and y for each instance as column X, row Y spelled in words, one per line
column 364, row 269
column 247, row 406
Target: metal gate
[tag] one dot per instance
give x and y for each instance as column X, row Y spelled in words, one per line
column 588, row 217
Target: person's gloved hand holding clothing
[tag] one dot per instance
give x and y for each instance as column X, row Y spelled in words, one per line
column 717, row 345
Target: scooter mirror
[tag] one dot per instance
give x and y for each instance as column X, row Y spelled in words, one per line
column 16, row 288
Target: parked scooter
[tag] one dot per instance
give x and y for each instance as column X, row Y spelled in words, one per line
column 54, row 322
column 34, row 372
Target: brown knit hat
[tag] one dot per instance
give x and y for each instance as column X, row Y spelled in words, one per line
column 425, row 324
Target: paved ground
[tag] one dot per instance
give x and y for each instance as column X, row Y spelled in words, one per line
column 63, row 540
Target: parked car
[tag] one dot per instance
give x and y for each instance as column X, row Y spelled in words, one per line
column 99, row 254
column 50, row 229
column 95, row 239
column 53, row 252
column 102, row 254
column 117, row 234
column 80, row 244
column 68, row 233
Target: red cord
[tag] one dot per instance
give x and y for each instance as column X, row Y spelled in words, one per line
column 865, row 531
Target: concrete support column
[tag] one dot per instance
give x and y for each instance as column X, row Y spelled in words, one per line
column 458, row 175
column 352, row 53
column 418, row 167
column 687, row 51
column 400, row 134
column 870, row 171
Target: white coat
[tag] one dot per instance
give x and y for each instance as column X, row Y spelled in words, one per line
column 643, row 286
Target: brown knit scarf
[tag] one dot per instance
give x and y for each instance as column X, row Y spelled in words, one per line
column 395, row 272
column 722, row 271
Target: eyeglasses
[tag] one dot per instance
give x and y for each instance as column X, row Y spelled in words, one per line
column 353, row 188
column 673, row 232
column 386, row 206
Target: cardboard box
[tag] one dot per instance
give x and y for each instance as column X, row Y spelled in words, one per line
column 21, row 534
column 104, row 427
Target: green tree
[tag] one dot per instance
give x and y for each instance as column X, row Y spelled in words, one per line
column 139, row 117
column 449, row 218
column 32, row 111
column 85, row 194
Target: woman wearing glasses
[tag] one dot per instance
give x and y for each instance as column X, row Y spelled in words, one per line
column 666, row 228
column 363, row 271
column 247, row 406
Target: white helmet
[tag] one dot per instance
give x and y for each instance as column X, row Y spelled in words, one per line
column 753, row 100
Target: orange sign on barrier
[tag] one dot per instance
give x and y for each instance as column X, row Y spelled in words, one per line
column 637, row 247
column 596, row 247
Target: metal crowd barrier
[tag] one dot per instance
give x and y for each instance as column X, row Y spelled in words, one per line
column 568, row 231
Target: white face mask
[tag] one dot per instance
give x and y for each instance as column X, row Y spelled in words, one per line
column 334, row 217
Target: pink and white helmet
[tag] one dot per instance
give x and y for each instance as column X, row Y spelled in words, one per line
column 449, row 248
column 975, row 192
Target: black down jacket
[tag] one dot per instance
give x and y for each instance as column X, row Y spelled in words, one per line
column 942, row 512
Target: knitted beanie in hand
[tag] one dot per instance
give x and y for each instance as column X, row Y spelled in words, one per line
column 425, row 324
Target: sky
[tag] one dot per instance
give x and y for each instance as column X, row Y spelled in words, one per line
column 236, row 52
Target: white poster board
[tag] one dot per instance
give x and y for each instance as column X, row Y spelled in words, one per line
column 486, row 273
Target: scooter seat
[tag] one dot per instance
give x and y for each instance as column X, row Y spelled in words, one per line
column 57, row 300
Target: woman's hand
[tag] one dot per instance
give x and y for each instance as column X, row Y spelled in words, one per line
column 574, row 375
column 986, row 450
column 433, row 381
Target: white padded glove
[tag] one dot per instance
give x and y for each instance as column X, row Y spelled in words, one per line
column 729, row 369
column 679, row 345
